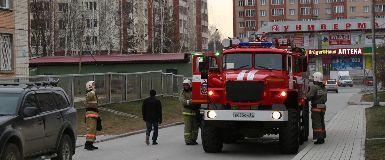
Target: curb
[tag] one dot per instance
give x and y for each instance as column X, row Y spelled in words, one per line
column 131, row 133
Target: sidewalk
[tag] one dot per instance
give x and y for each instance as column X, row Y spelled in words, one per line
column 346, row 135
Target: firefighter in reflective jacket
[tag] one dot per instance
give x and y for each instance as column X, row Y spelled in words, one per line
column 190, row 113
column 92, row 115
column 317, row 94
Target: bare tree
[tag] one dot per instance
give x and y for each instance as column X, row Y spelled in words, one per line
column 215, row 36
column 164, row 28
column 41, row 12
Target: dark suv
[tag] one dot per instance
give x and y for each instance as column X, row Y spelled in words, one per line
column 36, row 121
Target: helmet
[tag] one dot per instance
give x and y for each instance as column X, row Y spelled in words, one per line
column 318, row 77
column 89, row 85
column 187, row 81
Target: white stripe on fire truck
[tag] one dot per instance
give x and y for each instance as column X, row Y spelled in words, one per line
column 251, row 75
column 241, row 75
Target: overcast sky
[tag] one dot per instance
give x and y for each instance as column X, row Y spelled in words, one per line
column 221, row 15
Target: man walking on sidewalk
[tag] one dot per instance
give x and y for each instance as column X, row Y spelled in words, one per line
column 152, row 115
column 317, row 94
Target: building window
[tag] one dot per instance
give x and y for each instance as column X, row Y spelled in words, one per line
column 339, row 9
column 305, row 11
column 62, row 24
column 305, row 1
column 6, row 58
column 366, row 9
column 91, row 23
column 242, row 35
column 379, row 8
column 241, row 13
column 263, row 2
column 263, row 13
column 62, row 42
column 6, row 4
column 329, row 1
column 352, row 9
column 241, row 24
column 91, row 5
column 315, row 1
column 328, row 11
column 241, row 3
column 292, row 12
column 339, row 18
column 250, row 13
column 63, row 7
column 277, row 2
column 250, row 24
column 292, row 2
column 316, row 11
column 250, row 2
column 278, row 12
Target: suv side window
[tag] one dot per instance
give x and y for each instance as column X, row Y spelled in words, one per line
column 61, row 102
column 30, row 101
column 46, row 102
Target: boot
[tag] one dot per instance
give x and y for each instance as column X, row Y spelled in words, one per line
column 147, row 140
column 88, row 146
column 92, row 145
column 154, row 143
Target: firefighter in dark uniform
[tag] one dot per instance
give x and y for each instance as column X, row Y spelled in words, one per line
column 92, row 115
column 190, row 113
column 317, row 94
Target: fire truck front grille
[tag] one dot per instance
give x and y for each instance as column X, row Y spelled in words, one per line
column 244, row 91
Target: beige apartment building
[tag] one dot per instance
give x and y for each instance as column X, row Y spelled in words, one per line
column 251, row 15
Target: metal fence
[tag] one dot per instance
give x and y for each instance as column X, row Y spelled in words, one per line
column 113, row 87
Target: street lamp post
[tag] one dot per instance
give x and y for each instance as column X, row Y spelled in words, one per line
column 215, row 40
column 375, row 100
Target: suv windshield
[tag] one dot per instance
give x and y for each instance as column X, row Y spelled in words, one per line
column 8, row 105
column 238, row 61
column 345, row 78
column 268, row 61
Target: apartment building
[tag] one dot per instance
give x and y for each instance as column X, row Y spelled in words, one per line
column 250, row 15
column 13, row 38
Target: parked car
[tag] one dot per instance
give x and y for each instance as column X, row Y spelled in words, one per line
column 368, row 81
column 36, row 121
column 331, row 85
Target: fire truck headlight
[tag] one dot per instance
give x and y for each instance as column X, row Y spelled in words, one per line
column 211, row 93
column 276, row 115
column 211, row 114
column 283, row 94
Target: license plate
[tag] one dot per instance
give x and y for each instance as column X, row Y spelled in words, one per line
column 243, row 115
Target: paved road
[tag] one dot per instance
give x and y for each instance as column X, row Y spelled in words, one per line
column 171, row 144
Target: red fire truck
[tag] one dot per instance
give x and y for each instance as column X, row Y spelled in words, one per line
column 252, row 90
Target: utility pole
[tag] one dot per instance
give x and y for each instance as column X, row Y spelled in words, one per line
column 215, row 40
column 374, row 47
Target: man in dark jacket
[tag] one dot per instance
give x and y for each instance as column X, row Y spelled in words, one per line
column 152, row 115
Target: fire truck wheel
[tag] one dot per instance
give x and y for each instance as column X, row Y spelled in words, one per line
column 211, row 139
column 304, row 132
column 289, row 135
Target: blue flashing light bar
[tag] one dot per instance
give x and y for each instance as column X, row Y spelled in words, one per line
column 256, row 44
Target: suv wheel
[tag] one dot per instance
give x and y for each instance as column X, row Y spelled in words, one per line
column 65, row 149
column 289, row 134
column 11, row 152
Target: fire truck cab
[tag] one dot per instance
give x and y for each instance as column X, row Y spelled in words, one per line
column 251, row 90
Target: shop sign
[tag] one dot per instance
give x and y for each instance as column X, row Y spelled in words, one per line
column 317, row 26
column 340, row 51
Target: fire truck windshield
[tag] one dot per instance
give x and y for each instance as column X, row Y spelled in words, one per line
column 270, row 61
column 238, row 61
